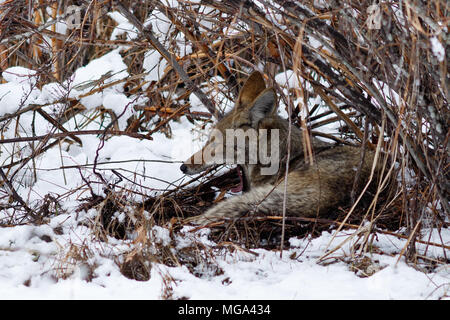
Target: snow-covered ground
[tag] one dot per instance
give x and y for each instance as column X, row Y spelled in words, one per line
column 38, row 262
column 33, row 258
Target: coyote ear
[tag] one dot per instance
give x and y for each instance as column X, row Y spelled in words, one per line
column 263, row 106
column 251, row 89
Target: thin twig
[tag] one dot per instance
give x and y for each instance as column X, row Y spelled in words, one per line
column 77, row 133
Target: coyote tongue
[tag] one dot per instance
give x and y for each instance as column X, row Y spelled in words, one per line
column 240, row 186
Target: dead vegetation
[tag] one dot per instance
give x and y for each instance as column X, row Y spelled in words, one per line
column 386, row 85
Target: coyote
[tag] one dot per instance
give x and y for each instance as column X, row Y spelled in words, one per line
column 312, row 189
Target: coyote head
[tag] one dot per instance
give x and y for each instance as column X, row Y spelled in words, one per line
column 243, row 135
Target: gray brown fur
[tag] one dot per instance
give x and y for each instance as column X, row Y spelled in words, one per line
column 311, row 189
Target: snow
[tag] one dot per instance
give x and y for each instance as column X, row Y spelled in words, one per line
column 160, row 25
column 19, row 90
column 123, row 27
column 37, row 261
column 437, row 48
column 28, row 264
column 121, row 105
column 20, row 75
column 154, row 64
column 110, row 66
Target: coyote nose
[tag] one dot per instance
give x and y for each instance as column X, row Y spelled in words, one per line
column 183, row 168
